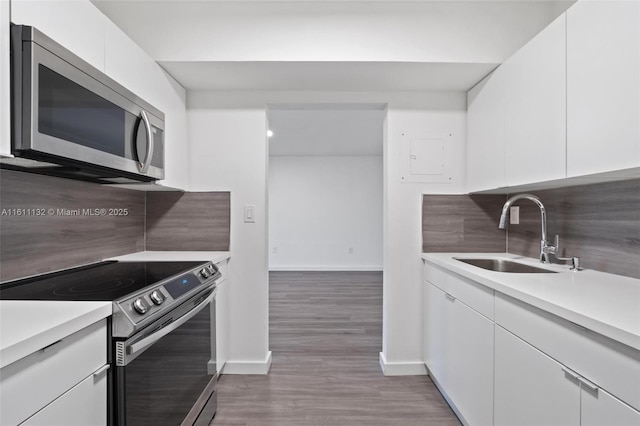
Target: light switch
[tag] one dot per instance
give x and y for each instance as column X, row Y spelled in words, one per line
column 514, row 215
column 249, row 213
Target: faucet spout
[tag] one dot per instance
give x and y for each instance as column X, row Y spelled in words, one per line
column 545, row 249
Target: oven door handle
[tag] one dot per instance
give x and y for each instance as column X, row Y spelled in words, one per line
column 150, row 340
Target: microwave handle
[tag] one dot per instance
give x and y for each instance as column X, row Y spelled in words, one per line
column 144, row 166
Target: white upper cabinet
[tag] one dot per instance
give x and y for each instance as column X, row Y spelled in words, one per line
column 535, row 109
column 516, row 117
column 603, row 86
column 77, row 25
column 485, row 133
column 566, row 105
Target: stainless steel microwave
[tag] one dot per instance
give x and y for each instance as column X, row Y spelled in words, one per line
column 71, row 120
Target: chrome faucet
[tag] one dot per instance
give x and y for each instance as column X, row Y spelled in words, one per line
column 545, row 248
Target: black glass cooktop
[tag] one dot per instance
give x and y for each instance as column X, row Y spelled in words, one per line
column 105, row 281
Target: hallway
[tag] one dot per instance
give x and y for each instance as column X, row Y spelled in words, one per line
column 325, row 334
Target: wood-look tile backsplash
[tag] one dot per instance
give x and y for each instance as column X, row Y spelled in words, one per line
column 462, row 223
column 600, row 223
column 49, row 223
column 188, row 221
column 63, row 235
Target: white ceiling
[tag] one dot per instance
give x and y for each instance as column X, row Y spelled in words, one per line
column 332, row 44
column 326, row 132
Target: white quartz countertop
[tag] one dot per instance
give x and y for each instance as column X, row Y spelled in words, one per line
column 605, row 303
column 177, row 256
column 28, row 326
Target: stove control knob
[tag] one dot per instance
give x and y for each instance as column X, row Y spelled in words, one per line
column 204, row 273
column 140, row 306
column 156, row 297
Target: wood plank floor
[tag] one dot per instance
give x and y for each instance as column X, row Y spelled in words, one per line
column 325, row 334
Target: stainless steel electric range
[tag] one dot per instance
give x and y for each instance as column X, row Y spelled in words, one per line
column 161, row 338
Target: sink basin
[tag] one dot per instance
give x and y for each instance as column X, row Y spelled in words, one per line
column 503, row 265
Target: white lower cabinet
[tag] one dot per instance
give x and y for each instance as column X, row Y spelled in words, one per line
column 533, row 389
column 39, row 388
column 599, row 408
column 83, row 405
column 459, row 355
column 500, row 361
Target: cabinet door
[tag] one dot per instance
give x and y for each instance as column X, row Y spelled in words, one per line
column 471, row 363
column 531, row 388
column 83, row 405
column 459, row 354
column 485, row 133
column 535, row 115
column 603, row 86
column 77, row 25
column 436, row 329
column 598, row 408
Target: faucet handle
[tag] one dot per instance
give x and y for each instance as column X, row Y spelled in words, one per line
column 551, row 249
column 575, row 264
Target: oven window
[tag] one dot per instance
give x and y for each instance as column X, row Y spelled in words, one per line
column 164, row 382
column 73, row 113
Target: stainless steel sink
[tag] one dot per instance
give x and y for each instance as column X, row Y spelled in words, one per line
column 503, row 265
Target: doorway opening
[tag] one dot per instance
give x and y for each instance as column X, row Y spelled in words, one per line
column 325, row 197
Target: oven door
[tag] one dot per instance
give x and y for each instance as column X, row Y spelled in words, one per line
column 162, row 376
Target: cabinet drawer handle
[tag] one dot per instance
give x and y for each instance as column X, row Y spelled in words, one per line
column 587, row 384
column 101, row 370
column 450, row 297
column 573, row 376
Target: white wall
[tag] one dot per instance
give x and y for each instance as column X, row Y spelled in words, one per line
column 320, row 207
column 229, row 153
column 402, row 306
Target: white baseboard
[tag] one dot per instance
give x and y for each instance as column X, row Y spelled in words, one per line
column 298, row 268
column 248, row 367
column 401, row 368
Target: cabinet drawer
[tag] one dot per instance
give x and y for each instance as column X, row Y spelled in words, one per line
column 472, row 294
column 33, row 382
column 84, row 405
column 609, row 364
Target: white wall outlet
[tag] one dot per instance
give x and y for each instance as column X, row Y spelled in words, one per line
column 275, row 250
column 249, row 213
column 514, row 215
